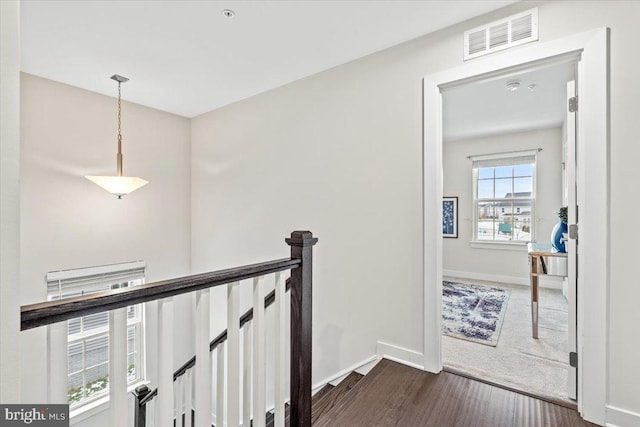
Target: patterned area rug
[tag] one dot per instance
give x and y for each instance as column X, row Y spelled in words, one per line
column 473, row 312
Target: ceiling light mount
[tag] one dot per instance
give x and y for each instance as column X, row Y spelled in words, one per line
column 119, row 185
column 228, row 13
column 513, row 85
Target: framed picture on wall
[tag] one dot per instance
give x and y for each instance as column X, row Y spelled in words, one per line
column 450, row 217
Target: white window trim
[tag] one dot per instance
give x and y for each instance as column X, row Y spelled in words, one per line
column 499, row 245
column 513, row 245
column 93, row 405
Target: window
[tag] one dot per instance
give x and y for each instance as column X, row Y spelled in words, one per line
column 504, row 197
column 88, row 336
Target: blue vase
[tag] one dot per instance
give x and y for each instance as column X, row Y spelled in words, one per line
column 556, row 236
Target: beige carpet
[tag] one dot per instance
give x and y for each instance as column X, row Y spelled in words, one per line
column 519, row 361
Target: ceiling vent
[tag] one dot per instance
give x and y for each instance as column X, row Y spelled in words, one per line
column 503, row 34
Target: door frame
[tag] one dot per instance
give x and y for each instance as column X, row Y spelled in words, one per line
column 591, row 48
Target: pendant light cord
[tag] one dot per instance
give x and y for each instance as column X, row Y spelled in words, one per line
column 119, row 159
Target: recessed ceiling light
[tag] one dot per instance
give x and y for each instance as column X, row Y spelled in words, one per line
column 228, row 13
column 513, row 85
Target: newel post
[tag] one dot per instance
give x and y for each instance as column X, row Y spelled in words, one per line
column 301, row 243
column 140, row 416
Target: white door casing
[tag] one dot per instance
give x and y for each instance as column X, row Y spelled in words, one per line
column 591, row 49
column 571, row 244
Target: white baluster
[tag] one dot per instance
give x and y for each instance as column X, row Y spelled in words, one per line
column 233, row 354
column 179, row 385
column 259, row 355
column 188, row 397
column 165, row 364
column 203, row 365
column 57, row 363
column 281, row 353
column 118, row 367
column 220, row 386
column 246, row 375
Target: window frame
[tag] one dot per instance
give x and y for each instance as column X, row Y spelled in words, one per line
column 501, row 159
column 91, row 277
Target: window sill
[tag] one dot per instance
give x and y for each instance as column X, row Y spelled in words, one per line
column 99, row 405
column 500, row 246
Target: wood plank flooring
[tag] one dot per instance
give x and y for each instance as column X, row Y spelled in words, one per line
column 397, row 395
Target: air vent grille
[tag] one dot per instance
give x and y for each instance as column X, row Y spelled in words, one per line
column 499, row 35
column 478, row 41
column 521, row 28
column 503, row 34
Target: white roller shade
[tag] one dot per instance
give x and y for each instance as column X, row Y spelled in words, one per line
column 82, row 281
column 504, row 159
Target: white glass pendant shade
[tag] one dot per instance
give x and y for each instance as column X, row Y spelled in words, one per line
column 118, row 185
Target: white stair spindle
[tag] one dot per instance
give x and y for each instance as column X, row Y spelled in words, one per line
column 220, row 385
column 188, row 397
column 178, row 396
column 203, row 365
column 118, row 397
column 281, row 353
column 233, row 354
column 246, row 375
column 57, row 363
column 165, row 364
column 259, row 355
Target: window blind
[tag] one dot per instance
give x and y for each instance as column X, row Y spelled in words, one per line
column 504, row 159
column 83, row 281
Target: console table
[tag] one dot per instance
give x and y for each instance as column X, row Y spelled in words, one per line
column 543, row 261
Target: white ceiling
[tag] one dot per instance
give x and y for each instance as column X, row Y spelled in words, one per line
column 186, row 58
column 488, row 108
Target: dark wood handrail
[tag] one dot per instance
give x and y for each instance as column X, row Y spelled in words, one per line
column 46, row 313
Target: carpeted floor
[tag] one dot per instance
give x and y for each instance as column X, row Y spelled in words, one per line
column 519, row 361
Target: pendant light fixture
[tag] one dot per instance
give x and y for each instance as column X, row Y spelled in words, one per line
column 119, row 185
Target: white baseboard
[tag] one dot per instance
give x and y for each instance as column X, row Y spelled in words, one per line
column 618, row 417
column 400, row 355
column 391, row 352
column 360, row 365
column 552, row 282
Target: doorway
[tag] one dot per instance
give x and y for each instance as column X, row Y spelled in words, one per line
column 590, row 50
column 505, row 144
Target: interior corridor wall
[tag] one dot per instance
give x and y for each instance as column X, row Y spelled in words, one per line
column 69, row 222
column 340, row 153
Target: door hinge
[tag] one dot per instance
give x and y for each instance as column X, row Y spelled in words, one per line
column 573, row 231
column 573, row 359
column 573, row 104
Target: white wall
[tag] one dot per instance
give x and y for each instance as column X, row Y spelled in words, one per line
column 69, row 222
column 458, row 255
column 10, row 205
column 339, row 153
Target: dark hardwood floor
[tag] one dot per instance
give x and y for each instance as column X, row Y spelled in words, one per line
column 397, row 395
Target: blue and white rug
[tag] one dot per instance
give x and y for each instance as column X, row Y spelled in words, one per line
column 473, row 312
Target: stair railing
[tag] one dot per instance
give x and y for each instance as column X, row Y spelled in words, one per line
column 144, row 395
column 54, row 313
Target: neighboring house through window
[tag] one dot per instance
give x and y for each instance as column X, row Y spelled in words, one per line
column 88, row 336
column 504, row 197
